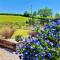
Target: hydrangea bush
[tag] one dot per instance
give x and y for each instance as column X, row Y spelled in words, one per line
column 46, row 44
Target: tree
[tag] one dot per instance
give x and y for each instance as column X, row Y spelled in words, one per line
column 57, row 15
column 26, row 14
column 45, row 12
column 34, row 13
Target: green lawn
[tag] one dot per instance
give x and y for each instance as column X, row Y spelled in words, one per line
column 13, row 19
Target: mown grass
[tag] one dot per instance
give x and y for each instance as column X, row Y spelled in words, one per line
column 12, row 19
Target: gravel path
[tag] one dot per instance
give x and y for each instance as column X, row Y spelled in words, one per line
column 7, row 54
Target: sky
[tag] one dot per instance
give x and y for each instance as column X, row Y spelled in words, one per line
column 19, row 6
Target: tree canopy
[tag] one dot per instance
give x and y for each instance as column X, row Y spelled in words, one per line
column 45, row 12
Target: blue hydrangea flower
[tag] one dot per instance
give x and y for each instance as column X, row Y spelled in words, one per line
column 49, row 55
column 43, row 59
column 31, row 47
column 36, row 58
column 19, row 45
column 43, row 54
column 32, row 40
column 17, row 52
column 50, row 20
column 36, row 55
column 58, row 45
column 39, row 33
column 46, row 48
column 38, row 43
column 53, row 24
column 25, row 52
column 44, row 37
column 58, row 21
column 46, row 27
column 41, row 48
column 50, row 43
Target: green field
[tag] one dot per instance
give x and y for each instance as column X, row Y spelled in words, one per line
column 15, row 21
column 12, row 19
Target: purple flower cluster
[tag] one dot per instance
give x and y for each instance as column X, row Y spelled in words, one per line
column 46, row 44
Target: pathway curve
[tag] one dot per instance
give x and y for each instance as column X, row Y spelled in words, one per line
column 7, row 54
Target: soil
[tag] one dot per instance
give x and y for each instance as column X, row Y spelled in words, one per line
column 7, row 54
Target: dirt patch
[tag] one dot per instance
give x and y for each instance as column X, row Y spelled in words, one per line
column 7, row 54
